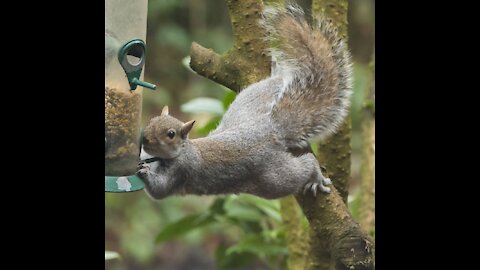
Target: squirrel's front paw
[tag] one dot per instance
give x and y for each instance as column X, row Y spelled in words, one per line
column 142, row 170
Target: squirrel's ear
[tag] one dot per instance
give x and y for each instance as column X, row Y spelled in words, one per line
column 186, row 128
column 164, row 111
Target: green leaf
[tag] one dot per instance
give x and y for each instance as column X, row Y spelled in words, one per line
column 156, row 8
column 203, row 104
column 235, row 261
column 110, row 255
column 208, row 127
column 184, row 226
column 243, row 211
column 354, row 204
column 245, row 225
column 314, row 147
column 269, row 207
column 256, row 244
column 217, row 207
column 228, row 98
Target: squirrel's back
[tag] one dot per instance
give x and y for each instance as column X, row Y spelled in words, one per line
column 308, row 92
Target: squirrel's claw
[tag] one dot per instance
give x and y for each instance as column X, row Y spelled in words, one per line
column 143, row 169
column 311, row 186
column 326, row 181
column 318, row 184
column 324, row 188
column 143, row 165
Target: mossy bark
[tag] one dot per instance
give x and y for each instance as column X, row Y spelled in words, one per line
column 247, row 61
column 335, row 10
column 334, row 235
column 367, row 171
column 296, row 234
column 334, row 231
column 335, row 151
column 334, row 155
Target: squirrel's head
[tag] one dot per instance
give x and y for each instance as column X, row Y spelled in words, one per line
column 165, row 135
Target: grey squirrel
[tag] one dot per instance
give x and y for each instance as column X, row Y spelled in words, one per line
column 261, row 145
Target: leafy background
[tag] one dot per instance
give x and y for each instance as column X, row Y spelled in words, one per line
column 209, row 232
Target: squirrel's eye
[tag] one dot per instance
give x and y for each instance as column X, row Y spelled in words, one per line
column 171, row 134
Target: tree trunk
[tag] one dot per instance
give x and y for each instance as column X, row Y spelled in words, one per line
column 367, row 185
column 334, row 235
column 297, row 236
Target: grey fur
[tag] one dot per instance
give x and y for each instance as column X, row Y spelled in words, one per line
column 251, row 149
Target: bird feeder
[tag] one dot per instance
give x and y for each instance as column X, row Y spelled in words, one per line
column 125, row 33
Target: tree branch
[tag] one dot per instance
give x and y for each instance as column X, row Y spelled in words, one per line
column 334, row 235
column 235, row 69
column 334, row 230
column 209, row 64
column 335, row 151
column 297, row 236
column 334, row 155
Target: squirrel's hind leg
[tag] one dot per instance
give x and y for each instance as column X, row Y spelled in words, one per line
column 289, row 174
column 317, row 180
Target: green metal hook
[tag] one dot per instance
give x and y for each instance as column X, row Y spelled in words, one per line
column 132, row 58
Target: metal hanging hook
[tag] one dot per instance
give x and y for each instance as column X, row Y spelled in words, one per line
column 132, row 59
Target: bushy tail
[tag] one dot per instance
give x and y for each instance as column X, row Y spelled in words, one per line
column 315, row 65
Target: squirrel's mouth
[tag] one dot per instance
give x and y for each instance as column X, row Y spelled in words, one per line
column 147, row 149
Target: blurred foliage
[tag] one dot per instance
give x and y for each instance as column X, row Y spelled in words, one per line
column 203, row 104
column 209, row 232
column 258, row 221
column 354, row 206
column 110, row 255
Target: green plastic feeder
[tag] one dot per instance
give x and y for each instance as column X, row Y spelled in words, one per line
column 125, row 32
